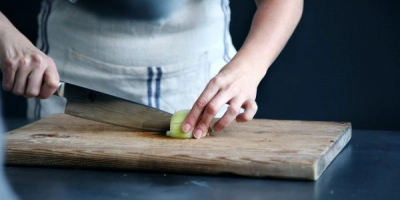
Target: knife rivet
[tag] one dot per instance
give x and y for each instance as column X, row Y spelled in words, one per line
column 92, row 96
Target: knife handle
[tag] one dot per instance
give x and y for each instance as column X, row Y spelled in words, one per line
column 60, row 90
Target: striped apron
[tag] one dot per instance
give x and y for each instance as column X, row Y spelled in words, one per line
column 163, row 61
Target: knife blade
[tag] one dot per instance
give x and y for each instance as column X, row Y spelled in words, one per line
column 97, row 106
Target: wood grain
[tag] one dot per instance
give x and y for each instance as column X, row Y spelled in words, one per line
column 259, row 148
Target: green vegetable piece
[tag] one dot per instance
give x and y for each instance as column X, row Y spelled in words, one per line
column 176, row 125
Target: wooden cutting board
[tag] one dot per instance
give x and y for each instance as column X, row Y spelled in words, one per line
column 259, row 148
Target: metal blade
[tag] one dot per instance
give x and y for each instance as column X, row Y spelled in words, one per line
column 97, row 106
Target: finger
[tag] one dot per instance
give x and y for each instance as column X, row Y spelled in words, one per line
column 9, row 75
column 51, row 80
column 209, row 92
column 21, row 76
column 230, row 114
column 209, row 113
column 34, row 84
column 250, row 108
column 35, row 78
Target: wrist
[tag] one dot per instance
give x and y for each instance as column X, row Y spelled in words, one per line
column 244, row 64
column 255, row 60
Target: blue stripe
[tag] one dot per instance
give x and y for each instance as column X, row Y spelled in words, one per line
column 149, row 91
column 45, row 8
column 46, row 50
column 43, row 32
column 158, row 86
column 225, row 10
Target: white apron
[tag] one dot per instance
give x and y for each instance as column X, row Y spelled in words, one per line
column 164, row 62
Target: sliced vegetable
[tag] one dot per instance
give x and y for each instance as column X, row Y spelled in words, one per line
column 175, row 129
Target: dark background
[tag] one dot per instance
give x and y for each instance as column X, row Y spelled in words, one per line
column 341, row 64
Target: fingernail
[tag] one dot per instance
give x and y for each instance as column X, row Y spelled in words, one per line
column 198, row 134
column 186, row 127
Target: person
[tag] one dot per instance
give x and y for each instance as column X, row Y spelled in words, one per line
column 172, row 55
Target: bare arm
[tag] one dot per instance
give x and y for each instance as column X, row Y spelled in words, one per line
column 26, row 70
column 237, row 82
column 273, row 24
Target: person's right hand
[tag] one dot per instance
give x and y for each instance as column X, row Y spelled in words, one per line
column 27, row 71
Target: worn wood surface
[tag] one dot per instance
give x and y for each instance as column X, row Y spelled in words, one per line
column 259, row 148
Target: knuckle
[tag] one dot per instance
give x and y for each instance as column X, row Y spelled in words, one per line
column 23, row 62
column 18, row 92
column 33, row 92
column 191, row 119
column 7, row 87
column 219, row 126
column 202, row 102
column 52, row 84
column 212, row 109
column 203, row 126
column 8, row 62
column 223, row 126
column 217, row 80
column 232, row 111
column 43, row 95
column 37, row 58
column 9, row 65
column 37, row 62
column 254, row 106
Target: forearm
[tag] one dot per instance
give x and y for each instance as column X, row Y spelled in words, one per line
column 273, row 24
column 4, row 23
column 6, row 27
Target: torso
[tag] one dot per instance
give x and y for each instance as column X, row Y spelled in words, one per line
column 163, row 59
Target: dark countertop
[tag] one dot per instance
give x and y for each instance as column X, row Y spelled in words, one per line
column 367, row 168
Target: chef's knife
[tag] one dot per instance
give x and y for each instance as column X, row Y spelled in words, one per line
column 97, row 106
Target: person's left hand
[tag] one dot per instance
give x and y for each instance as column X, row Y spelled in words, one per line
column 236, row 85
